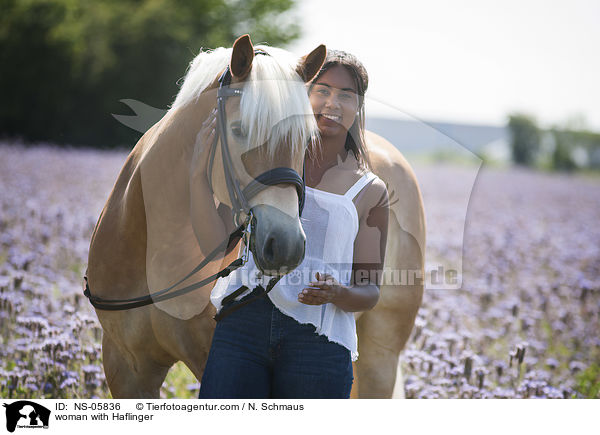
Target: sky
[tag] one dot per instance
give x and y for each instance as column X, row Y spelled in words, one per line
column 468, row 61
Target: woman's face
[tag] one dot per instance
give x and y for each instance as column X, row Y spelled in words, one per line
column 334, row 100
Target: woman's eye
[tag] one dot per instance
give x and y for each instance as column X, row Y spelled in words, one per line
column 323, row 91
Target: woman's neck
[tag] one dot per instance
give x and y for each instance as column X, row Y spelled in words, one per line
column 332, row 152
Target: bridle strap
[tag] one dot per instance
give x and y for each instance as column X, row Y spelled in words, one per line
column 126, row 304
column 277, row 176
column 229, row 305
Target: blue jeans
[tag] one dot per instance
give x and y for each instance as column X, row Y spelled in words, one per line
column 258, row 352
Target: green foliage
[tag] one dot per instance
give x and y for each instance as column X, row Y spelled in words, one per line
column 180, row 383
column 588, row 382
column 561, row 157
column 525, row 139
column 567, row 148
column 67, row 63
column 568, row 141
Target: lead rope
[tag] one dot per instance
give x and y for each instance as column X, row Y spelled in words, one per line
column 229, row 305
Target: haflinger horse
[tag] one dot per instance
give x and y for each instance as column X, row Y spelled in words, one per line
column 148, row 236
column 384, row 330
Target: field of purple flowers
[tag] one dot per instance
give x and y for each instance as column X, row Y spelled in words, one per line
column 525, row 323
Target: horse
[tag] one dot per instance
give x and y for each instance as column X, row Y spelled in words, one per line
column 145, row 237
column 384, row 330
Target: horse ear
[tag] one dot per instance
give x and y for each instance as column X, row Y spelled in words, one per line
column 242, row 57
column 310, row 64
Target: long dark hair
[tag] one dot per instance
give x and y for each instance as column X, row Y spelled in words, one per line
column 355, row 140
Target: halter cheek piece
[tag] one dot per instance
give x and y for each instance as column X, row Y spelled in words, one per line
column 239, row 201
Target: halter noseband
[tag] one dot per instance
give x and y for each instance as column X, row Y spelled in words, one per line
column 239, row 198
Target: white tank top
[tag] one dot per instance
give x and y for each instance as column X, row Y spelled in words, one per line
column 330, row 222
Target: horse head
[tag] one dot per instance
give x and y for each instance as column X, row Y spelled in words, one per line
column 265, row 125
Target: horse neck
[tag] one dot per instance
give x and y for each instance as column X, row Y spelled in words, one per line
column 167, row 151
column 178, row 129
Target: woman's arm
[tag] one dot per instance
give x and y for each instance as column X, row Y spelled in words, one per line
column 207, row 223
column 369, row 256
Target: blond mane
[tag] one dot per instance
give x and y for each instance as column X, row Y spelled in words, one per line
column 274, row 106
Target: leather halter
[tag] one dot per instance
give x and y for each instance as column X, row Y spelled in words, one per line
column 239, row 198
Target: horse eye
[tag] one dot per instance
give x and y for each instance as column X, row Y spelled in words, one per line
column 237, row 130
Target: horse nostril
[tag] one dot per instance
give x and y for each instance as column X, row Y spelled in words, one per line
column 269, row 251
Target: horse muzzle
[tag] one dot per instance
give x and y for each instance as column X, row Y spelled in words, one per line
column 277, row 240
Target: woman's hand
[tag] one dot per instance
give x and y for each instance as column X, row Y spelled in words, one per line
column 322, row 291
column 204, row 140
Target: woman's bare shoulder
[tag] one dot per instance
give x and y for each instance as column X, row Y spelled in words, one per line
column 377, row 191
column 374, row 195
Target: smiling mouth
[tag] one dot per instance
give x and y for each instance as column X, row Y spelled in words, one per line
column 335, row 118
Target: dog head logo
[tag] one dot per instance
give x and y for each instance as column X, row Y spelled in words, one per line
column 26, row 414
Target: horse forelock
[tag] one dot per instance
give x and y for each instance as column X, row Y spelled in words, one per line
column 201, row 72
column 274, row 107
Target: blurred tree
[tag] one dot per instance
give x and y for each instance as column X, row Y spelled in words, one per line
column 562, row 158
column 67, row 63
column 569, row 142
column 525, row 139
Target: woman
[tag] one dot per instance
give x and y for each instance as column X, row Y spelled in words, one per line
column 300, row 340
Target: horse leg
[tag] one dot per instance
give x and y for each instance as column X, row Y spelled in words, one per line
column 383, row 333
column 188, row 341
column 129, row 375
column 376, row 370
column 354, row 391
column 397, row 391
column 399, row 384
